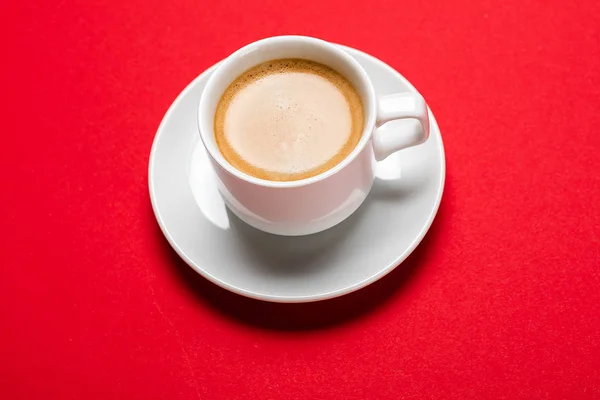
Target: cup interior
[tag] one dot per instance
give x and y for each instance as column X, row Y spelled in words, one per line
column 278, row 48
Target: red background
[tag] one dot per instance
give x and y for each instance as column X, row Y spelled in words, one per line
column 501, row 300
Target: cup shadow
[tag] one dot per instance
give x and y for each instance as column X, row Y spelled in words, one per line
column 290, row 255
column 303, row 316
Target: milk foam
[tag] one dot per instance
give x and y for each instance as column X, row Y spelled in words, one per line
column 288, row 119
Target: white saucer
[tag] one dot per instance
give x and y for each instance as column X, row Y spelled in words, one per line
column 372, row 242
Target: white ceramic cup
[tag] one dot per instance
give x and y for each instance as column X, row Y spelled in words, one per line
column 314, row 204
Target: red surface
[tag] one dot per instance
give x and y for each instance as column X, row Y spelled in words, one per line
column 501, row 300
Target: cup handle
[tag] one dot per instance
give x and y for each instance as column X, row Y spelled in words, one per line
column 400, row 106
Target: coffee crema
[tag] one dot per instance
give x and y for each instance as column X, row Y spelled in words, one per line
column 288, row 119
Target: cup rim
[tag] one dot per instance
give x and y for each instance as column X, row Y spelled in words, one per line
column 203, row 125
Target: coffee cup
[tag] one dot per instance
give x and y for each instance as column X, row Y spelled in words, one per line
column 319, row 202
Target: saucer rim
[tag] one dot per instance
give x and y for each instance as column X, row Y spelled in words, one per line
column 282, row 298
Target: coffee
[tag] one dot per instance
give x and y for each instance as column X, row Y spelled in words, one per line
column 288, row 119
